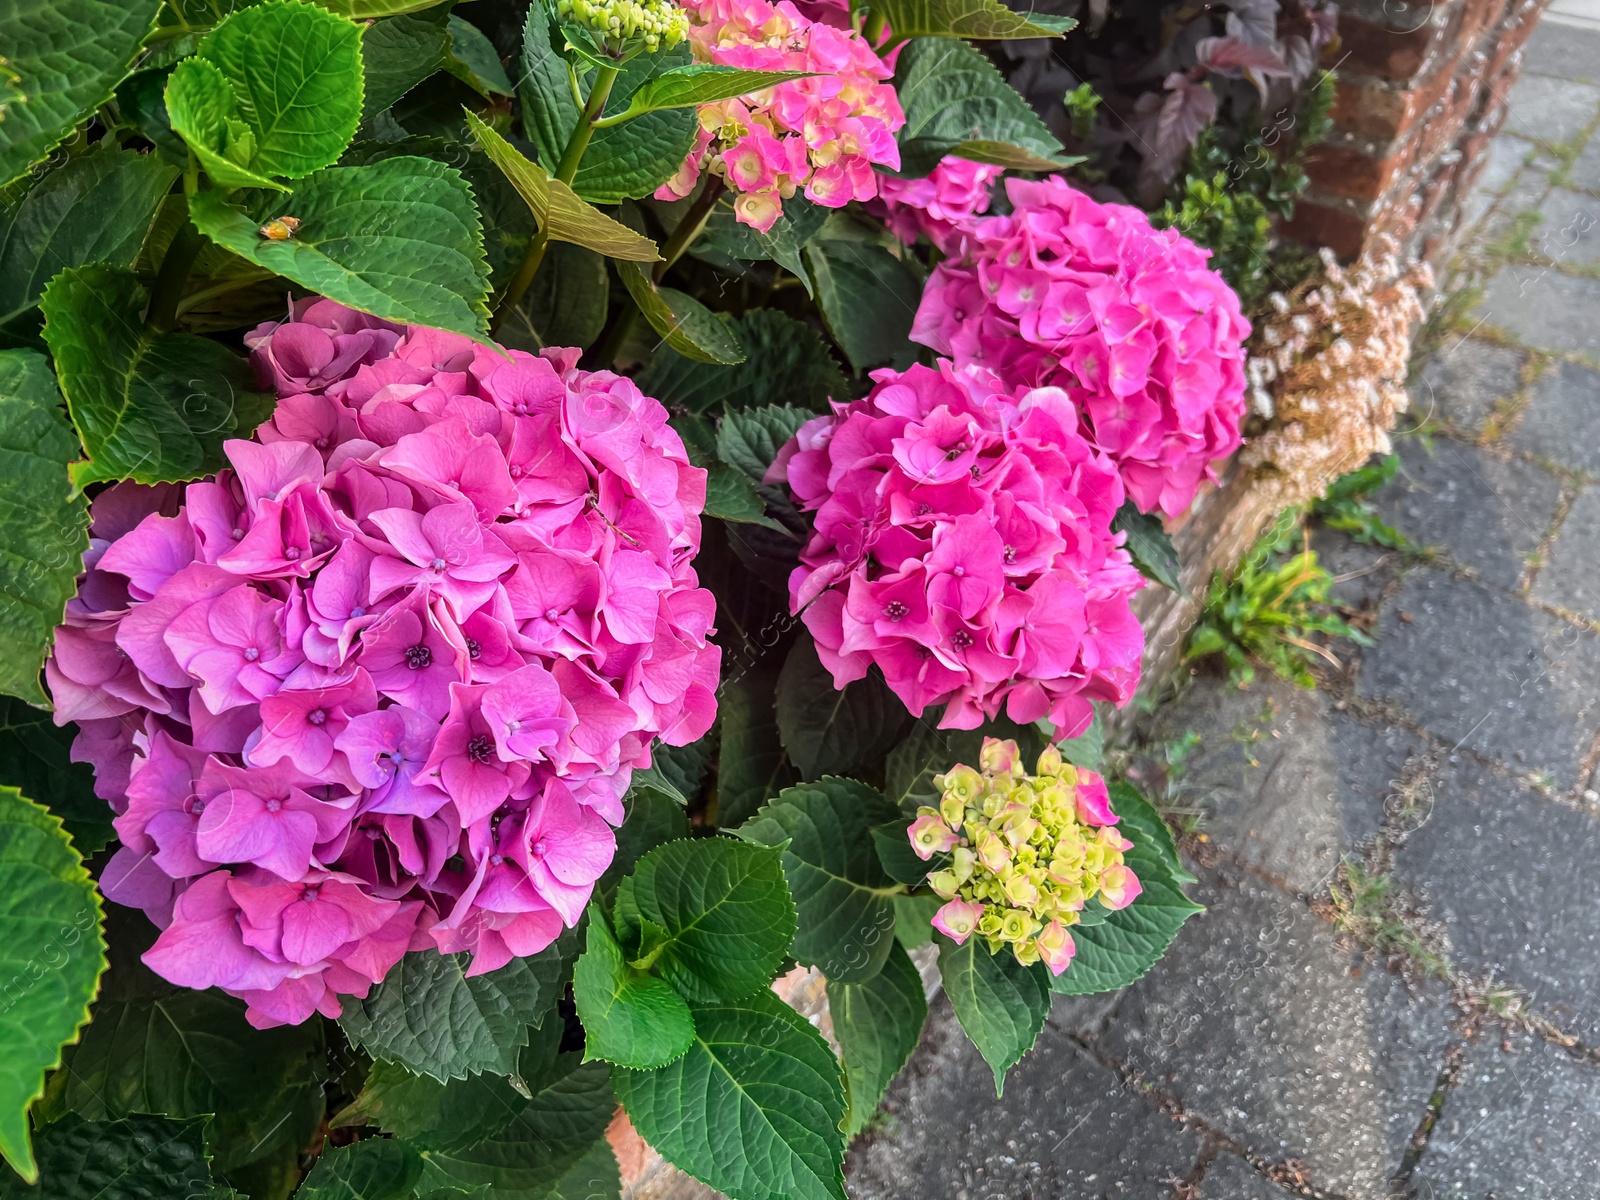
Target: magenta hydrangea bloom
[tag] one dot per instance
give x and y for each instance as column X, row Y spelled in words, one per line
column 380, row 685
column 963, row 545
column 938, row 206
column 1145, row 338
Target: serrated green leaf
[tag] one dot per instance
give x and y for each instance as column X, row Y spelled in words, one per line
column 829, row 731
column 372, row 1169
column 204, row 111
column 549, row 109
column 685, row 324
column 681, row 768
column 557, row 207
column 51, row 957
column 721, row 913
column 148, row 406
column 750, row 438
column 878, row 1024
column 1149, row 544
column 138, row 1158
column 365, row 10
column 652, row 819
column 397, row 53
column 1000, row 1003
column 1140, row 822
column 399, row 239
column 43, row 527
column 631, row 160
column 732, row 497
column 594, row 1176
column 1088, row 749
column 783, row 358
column 473, row 60
column 432, row 1115
column 799, row 223
column 629, row 1018
column 842, row 895
column 63, row 58
column 868, row 298
column 702, row 83
column 35, row 757
column 96, row 208
column 979, row 19
column 754, row 1107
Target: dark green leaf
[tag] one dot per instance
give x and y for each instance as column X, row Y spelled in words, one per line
column 630, row 1018
column 713, row 915
column 593, row 1177
column 1149, row 544
column 685, row 324
column 981, row 19
column 141, row 102
column 1141, row 823
column 913, row 919
column 473, row 60
column 147, row 406
column 398, row 53
column 784, row 358
column 893, row 846
column 1088, row 749
column 842, row 895
column 43, row 529
column 374, row 1169
column 682, row 767
column 750, row 438
column 878, row 1024
column 35, row 758
column 753, row 766
column 732, row 497
column 1000, row 1003
column 432, row 1115
column 928, row 751
column 702, row 83
column 800, row 222
column 828, row 731
column 566, row 304
column 868, row 297
column 138, row 1158
column 754, row 1107
column 653, row 819
column 632, row 160
column 549, row 110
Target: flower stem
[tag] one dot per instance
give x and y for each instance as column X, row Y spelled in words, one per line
column 691, row 227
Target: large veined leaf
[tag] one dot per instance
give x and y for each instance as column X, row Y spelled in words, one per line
column 754, row 1107
column 702, row 83
column 754, row 766
column 43, row 527
column 750, row 438
column 1000, row 1003
column 138, row 1158
column 65, row 58
column 828, row 730
column 957, row 103
column 653, row 819
column 397, row 53
column 981, row 19
column 399, row 239
column 431, row 1115
column 842, row 895
column 878, row 1024
column 51, row 955
column 594, row 1176
column 868, row 297
column 372, row 1169
column 35, row 758
column 629, row 1017
column 632, row 160
column 928, row 751
column 549, row 110
column 147, row 406
column 203, row 109
column 474, row 60
column 783, row 358
column 712, row 915
column 96, row 208
column 363, row 10
column 684, row 324
column 1149, row 543
column 566, row 305
column 731, row 496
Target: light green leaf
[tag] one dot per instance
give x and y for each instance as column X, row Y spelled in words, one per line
column 721, row 913
column 364, row 10
column 1000, row 1003
column 397, row 53
column 753, row 766
column 63, row 59
column 372, row 1169
column 629, row 1018
column 980, row 19
column 138, row 1158
column 750, row 438
column 557, row 207
column 399, row 239
column 868, row 298
column 432, row 1115
column 473, row 60
column 593, row 1177
column 51, row 955
column 96, row 208
column 878, row 1024
column 754, row 1107
column 702, row 83
column 684, row 324
column 549, row 110
column 147, row 406
column 842, row 895
column 828, row 731
column 732, row 497
column 1150, row 545
column 204, row 111
column 43, row 527
column 35, row 757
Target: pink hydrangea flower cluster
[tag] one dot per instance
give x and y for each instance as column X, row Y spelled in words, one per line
column 823, row 134
column 381, row 683
column 938, row 206
column 963, row 544
column 1146, row 339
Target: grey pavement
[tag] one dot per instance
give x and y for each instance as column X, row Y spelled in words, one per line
column 1395, row 989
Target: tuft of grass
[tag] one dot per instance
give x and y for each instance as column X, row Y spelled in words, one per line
column 1364, row 909
column 1347, row 506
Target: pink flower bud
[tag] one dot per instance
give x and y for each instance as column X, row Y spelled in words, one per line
column 957, row 919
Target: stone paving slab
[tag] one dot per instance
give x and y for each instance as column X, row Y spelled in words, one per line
column 1261, row 1025
column 1563, row 51
column 1544, row 308
column 1524, row 1124
column 1562, row 420
column 1488, row 673
column 1231, row 1178
column 1569, row 228
column 1551, row 110
column 1461, row 384
column 1585, row 172
column 1570, row 577
column 1067, row 1129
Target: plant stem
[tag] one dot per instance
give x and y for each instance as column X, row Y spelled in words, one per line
column 692, row 225
column 175, row 266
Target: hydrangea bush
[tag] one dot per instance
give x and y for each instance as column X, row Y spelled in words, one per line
column 522, row 529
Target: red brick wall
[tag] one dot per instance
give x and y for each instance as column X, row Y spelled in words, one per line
column 1421, row 90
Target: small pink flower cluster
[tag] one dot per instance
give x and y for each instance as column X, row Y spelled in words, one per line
column 963, row 544
column 1067, row 292
column 938, row 207
column 823, row 133
column 381, row 684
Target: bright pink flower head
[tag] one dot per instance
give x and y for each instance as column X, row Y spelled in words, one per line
column 1145, row 338
column 380, row 685
column 937, row 206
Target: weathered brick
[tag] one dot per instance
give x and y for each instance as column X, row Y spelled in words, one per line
column 1316, row 224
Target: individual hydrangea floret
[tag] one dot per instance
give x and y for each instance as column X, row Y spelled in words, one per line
column 962, row 544
column 936, row 207
column 380, row 684
column 1027, row 853
column 823, row 134
column 1147, row 340
column 657, row 24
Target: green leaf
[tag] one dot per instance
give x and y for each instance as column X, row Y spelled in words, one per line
column 655, row 777
column 913, row 919
column 629, row 1018
column 652, row 819
column 754, row 1107
column 373, row 1169
column 148, row 406
column 1143, row 825
column 35, row 758
column 732, row 497
column 138, row 1158
column 428, row 1016
column 799, row 223
column 957, row 103
column 556, row 207
column 685, row 324
column 868, row 298
column 893, row 847
column 681, row 768
column 1149, row 544
column 702, row 83
column 432, row 1115
column 364, row 10
column 878, row 1024
column 51, row 955
column 399, row 239
column 783, row 358
column 827, row 731
column 96, row 208
column 566, row 305
column 722, row 911
column 473, row 60
column 204, row 111
column 842, row 895
column 593, row 1177
column 1000, row 1003
column 750, row 438
column 928, row 751
column 631, row 160
column 753, row 766
column 65, row 57
column 1088, row 749
column 397, row 53
column 43, row 528
column 980, row 19
column 549, row 110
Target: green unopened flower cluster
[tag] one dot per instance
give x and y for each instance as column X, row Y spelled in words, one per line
column 1027, row 852
column 616, row 24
